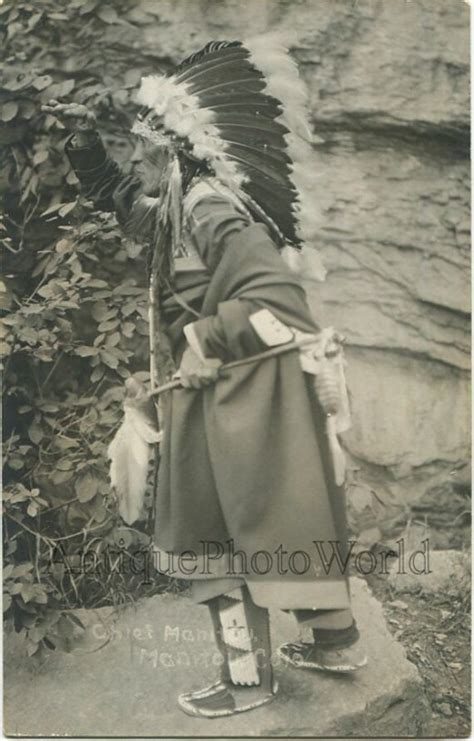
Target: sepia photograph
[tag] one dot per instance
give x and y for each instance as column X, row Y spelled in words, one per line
column 236, row 352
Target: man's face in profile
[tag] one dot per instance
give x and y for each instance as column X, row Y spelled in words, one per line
column 150, row 161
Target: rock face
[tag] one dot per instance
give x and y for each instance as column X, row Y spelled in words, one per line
column 442, row 572
column 123, row 680
column 389, row 99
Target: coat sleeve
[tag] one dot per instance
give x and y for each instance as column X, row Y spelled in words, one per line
column 101, row 178
column 248, row 274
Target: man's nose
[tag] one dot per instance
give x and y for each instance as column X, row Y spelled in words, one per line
column 137, row 155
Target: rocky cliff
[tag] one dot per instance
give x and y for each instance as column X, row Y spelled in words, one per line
column 389, row 86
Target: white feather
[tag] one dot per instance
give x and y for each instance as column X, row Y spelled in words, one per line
column 181, row 113
column 129, row 454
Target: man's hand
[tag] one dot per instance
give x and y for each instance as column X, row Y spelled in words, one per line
column 194, row 373
column 73, row 116
column 138, row 398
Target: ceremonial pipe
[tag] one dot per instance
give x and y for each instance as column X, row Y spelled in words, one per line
column 274, row 351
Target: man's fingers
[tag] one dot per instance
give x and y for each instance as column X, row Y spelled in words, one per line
column 210, row 374
column 204, row 377
column 205, row 381
column 190, row 381
column 68, row 110
column 74, row 112
column 195, row 382
column 56, row 107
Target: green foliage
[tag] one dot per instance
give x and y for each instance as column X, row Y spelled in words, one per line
column 74, row 305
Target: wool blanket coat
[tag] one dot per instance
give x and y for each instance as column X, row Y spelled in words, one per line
column 246, row 487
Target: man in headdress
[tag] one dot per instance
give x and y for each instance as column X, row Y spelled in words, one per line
column 250, row 494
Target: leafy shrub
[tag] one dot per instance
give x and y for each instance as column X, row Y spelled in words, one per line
column 74, row 305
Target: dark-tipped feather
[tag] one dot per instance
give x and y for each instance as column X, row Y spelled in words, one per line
column 210, row 51
column 250, row 122
column 254, row 103
column 225, row 66
column 266, row 142
column 244, row 85
column 268, row 166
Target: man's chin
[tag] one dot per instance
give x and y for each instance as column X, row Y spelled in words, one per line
column 150, row 190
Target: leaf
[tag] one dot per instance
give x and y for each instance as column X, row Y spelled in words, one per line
column 108, row 14
column 31, row 647
column 97, row 374
column 40, row 157
column 20, row 497
column 65, row 443
column 47, row 291
column 67, row 208
column 113, row 339
column 86, row 488
column 96, row 283
column 102, row 294
column 71, row 178
column 128, row 309
column 58, row 16
column 20, row 82
column 98, row 510
column 35, row 433
column 49, row 407
column 27, row 592
column 16, row 463
column 52, row 209
column 107, row 326
column 61, row 89
column 128, row 290
column 39, row 595
column 33, row 509
column 35, row 18
column 89, row 6
column 64, row 245
column 22, row 569
column 42, row 82
column 84, row 351
column 37, row 633
column 27, row 109
column 60, row 477
column 9, row 111
column 109, row 359
column 100, row 311
column 13, row 29
column 65, row 464
column 7, row 600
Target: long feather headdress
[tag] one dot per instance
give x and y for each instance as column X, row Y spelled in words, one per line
column 241, row 108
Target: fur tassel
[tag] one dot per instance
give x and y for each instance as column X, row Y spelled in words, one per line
column 337, row 454
column 129, row 454
column 175, row 185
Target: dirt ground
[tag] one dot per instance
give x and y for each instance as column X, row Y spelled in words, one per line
column 435, row 627
column 435, row 631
